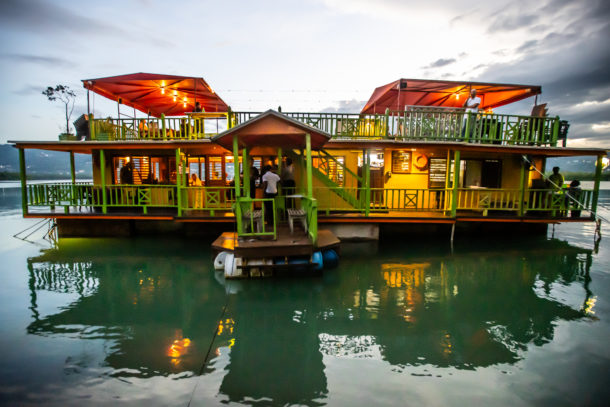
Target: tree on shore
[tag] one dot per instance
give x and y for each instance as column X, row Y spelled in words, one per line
column 65, row 95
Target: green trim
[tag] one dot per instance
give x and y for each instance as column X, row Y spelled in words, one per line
column 236, row 166
column 366, row 161
column 598, row 175
column 522, row 186
column 246, row 169
column 178, row 182
column 22, row 176
column 103, row 180
column 456, row 178
column 309, row 166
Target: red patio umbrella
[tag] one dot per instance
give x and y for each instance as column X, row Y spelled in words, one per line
column 155, row 94
column 410, row 92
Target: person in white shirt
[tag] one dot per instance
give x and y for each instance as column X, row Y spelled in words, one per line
column 472, row 106
column 270, row 180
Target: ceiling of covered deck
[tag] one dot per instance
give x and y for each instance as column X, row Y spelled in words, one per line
column 419, row 92
column 272, row 129
column 158, row 94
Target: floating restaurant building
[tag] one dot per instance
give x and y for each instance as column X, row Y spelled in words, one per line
column 411, row 160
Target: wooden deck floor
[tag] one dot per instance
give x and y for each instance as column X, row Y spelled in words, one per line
column 286, row 244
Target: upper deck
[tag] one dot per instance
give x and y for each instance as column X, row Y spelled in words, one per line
column 415, row 123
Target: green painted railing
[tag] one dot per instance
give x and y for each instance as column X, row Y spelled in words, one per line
column 433, row 124
column 163, row 128
column 414, row 123
column 250, row 215
column 310, row 206
column 85, row 195
column 208, row 198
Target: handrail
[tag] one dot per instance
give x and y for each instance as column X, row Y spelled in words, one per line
column 250, row 220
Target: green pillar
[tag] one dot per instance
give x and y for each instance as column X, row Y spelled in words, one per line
column 522, row 186
column 279, row 168
column 598, row 177
column 366, row 162
column 179, row 169
column 309, row 166
column 22, row 177
column 246, row 166
column 103, row 179
column 72, row 172
column 163, row 126
column 91, row 127
column 456, row 179
column 236, row 166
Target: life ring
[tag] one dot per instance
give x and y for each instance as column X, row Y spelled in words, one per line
column 421, row 162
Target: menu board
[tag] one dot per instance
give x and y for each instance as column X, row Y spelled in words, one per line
column 438, row 172
column 401, row 161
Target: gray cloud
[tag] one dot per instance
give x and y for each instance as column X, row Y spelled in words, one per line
column 573, row 69
column 28, row 90
column 440, row 63
column 504, row 22
column 45, row 17
column 346, row 106
column 36, row 59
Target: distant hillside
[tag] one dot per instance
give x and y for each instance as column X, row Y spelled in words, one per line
column 42, row 164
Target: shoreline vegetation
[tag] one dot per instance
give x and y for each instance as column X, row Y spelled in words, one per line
column 14, row 176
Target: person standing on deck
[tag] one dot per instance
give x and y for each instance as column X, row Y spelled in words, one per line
column 270, row 181
column 556, row 180
column 472, row 106
column 288, row 184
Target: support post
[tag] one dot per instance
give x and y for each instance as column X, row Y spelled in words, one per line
column 246, row 166
column 456, row 178
column 598, row 176
column 91, row 127
column 163, row 126
column 522, row 185
column 468, row 125
column 279, row 167
column 179, row 171
column 73, row 178
column 387, row 122
column 22, row 177
column 236, row 166
column 366, row 160
column 103, row 180
column 309, row 166
column 555, row 135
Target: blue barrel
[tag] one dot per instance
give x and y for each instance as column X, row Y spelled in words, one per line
column 318, row 260
column 330, row 258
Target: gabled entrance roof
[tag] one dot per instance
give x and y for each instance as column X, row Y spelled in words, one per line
column 171, row 95
column 410, row 92
column 272, row 129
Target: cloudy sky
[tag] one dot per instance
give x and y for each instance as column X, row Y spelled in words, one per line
column 306, row 55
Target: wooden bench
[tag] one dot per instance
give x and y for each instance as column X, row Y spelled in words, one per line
column 298, row 214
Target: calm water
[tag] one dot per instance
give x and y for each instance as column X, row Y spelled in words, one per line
column 148, row 322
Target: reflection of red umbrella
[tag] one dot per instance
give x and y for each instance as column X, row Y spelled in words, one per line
column 156, row 94
column 412, row 92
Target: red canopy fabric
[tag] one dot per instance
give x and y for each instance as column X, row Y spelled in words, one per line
column 157, row 94
column 420, row 92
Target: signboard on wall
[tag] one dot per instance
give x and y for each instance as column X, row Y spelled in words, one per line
column 401, row 162
column 438, row 172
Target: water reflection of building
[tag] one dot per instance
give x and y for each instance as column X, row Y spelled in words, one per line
column 160, row 313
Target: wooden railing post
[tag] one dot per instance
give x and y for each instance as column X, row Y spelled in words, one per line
column 522, row 186
column 456, row 178
column 163, row 126
column 22, row 177
column 179, row 171
column 555, row 135
column 103, row 180
column 366, row 160
column 468, row 124
column 387, row 122
column 309, row 166
column 73, row 178
column 598, row 176
column 246, row 169
column 236, row 166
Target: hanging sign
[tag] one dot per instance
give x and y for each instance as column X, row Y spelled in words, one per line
column 438, row 172
column 401, row 161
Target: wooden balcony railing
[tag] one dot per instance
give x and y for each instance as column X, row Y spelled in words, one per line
column 414, row 123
